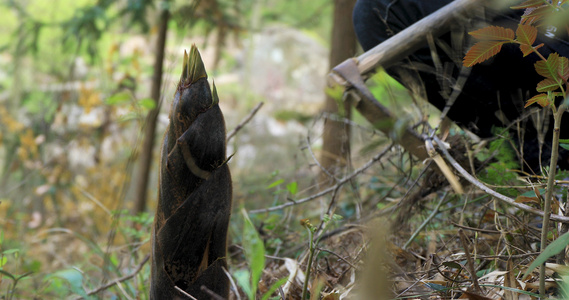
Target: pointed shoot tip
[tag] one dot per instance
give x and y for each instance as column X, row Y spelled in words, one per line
column 215, row 98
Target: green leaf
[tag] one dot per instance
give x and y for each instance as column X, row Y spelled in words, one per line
column 533, row 295
column 564, row 146
column 555, row 247
column 147, row 103
column 10, row 251
column 275, row 183
column 74, row 278
column 336, row 217
column 3, row 261
column 436, row 287
column 118, row 98
column 452, row 264
column 242, row 277
column 336, row 92
column 273, row 288
column 128, row 117
column 254, row 252
column 292, row 188
column 531, row 193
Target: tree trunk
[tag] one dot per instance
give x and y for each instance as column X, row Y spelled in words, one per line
column 336, row 137
column 149, row 130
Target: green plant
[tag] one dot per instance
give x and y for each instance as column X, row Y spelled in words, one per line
column 4, row 257
column 554, row 68
column 254, row 250
column 140, row 225
column 10, row 292
column 311, row 250
column 312, row 245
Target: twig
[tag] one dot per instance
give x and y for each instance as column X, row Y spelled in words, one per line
column 433, row 214
column 184, row 293
column 92, row 198
column 211, row 293
column 119, row 280
column 281, row 293
column 475, row 229
column 469, row 261
column 330, row 189
column 491, row 192
column 233, row 286
column 248, row 118
column 338, row 256
column 329, row 210
column 316, row 160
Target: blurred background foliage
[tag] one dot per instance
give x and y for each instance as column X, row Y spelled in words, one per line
column 74, row 93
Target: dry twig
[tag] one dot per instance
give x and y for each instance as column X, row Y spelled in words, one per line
column 491, row 192
column 248, row 118
column 469, row 261
column 118, row 280
column 330, row 189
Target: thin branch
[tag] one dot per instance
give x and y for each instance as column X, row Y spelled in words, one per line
column 211, row 293
column 317, row 162
column 118, row 280
column 330, row 189
column 491, row 192
column 233, row 286
column 248, row 118
column 429, row 218
column 469, row 261
column 339, row 257
column 184, row 293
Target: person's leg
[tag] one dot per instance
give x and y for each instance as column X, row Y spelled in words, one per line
column 495, row 91
column 377, row 20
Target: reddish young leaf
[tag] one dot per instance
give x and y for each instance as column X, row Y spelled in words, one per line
column 547, row 85
column 482, row 51
column 540, row 99
column 532, row 15
column 529, row 3
column 493, row 33
column 563, row 69
column 526, row 50
column 556, row 67
column 526, row 34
